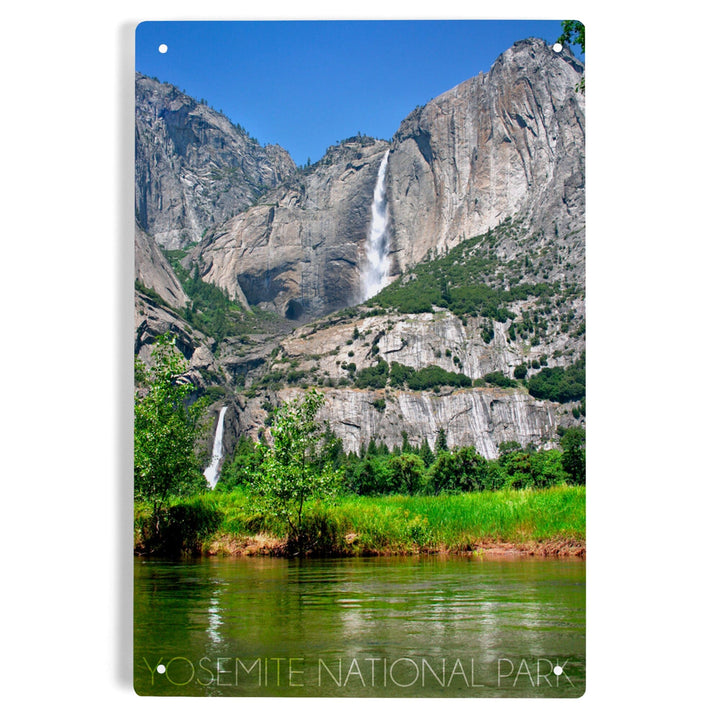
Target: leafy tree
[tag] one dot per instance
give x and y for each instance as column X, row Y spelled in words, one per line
column 433, row 376
column 573, row 457
column 497, row 378
column 518, row 469
column 546, row 468
column 290, row 475
column 374, row 376
column 242, row 467
column 461, row 470
column 363, row 479
column 574, row 34
column 371, row 476
column 167, row 428
column 407, row 473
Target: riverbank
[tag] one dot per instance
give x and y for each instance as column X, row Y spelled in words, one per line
column 259, row 545
column 548, row 522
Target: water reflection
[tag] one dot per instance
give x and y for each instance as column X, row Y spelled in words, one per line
column 386, row 608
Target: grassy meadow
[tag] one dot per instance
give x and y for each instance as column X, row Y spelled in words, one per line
column 552, row 519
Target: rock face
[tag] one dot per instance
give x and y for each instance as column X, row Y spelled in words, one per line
column 503, row 151
column 418, row 341
column 479, row 417
column 506, row 144
column 300, row 251
column 502, row 144
column 193, row 167
column 331, row 352
column 154, row 272
column 152, row 320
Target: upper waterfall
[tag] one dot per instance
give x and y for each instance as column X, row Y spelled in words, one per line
column 377, row 260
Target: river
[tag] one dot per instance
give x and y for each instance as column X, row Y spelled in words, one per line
column 440, row 626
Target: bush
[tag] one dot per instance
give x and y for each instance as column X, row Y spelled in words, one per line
column 560, row 384
column 181, row 529
column 374, row 376
column 399, row 374
column 435, row 377
column 319, row 534
column 498, row 379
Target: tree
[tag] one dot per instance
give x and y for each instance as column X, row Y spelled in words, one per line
column 290, row 475
column 242, row 467
column 407, row 474
column 441, row 441
column 573, row 457
column 426, row 454
column 462, row 470
column 574, row 34
column 520, row 371
column 167, row 428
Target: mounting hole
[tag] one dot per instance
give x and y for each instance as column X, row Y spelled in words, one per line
column 558, row 670
column 161, row 669
column 162, row 48
column 557, row 47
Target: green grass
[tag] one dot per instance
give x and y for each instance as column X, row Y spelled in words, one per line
column 402, row 524
column 456, row 522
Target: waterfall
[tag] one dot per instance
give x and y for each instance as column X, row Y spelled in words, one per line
column 377, row 263
column 211, row 471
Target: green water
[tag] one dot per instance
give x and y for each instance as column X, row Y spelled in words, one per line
column 361, row 627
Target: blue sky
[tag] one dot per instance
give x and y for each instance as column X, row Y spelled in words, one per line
column 307, row 84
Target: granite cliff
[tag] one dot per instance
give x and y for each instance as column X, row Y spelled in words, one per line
column 193, row 167
column 485, row 205
column 509, row 143
column 299, row 250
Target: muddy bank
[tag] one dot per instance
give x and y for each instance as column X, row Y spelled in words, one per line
column 261, row 544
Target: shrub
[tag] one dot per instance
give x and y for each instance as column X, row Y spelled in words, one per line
column 498, row 379
column 374, row 376
column 400, row 373
column 433, row 376
column 182, row 528
column 560, row 384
